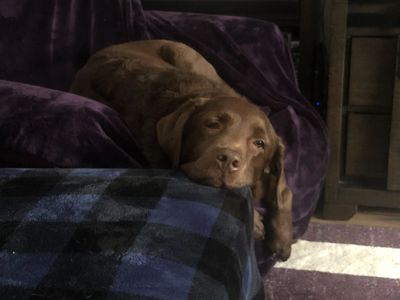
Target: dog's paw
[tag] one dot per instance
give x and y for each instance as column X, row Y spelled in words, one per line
column 258, row 228
column 281, row 247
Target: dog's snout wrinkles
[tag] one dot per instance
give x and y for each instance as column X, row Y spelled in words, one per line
column 229, row 160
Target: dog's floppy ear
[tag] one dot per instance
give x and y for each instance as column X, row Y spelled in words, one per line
column 170, row 129
column 280, row 192
column 277, row 197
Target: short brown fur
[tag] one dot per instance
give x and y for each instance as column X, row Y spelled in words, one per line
column 185, row 116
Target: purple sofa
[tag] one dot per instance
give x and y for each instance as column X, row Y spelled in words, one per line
column 43, row 44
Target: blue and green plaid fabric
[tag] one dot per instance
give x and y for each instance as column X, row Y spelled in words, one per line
column 123, row 234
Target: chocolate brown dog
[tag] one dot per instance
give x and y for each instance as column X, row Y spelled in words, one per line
column 184, row 116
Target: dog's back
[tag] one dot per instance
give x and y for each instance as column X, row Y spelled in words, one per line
column 143, row 76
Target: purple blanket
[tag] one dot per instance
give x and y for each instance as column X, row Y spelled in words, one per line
column 41, row 127
column 46, row 42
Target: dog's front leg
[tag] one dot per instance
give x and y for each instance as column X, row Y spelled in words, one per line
column 277, row 198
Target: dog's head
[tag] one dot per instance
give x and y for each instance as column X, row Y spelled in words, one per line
column 222, row 142
column 230, row 143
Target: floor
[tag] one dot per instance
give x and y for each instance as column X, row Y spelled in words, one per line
column 370, row 217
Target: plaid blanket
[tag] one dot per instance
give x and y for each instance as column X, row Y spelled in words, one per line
column 123, row 234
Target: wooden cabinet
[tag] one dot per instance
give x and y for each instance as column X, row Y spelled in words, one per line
column 363, row 110
column 366, row 142
column 372, row 65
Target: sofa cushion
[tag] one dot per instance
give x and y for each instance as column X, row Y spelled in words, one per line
column 40, row 127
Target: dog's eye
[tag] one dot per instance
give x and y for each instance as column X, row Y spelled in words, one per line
column 212, row 124
column 259, row 144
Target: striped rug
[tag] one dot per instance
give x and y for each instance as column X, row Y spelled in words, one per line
column 337, row 261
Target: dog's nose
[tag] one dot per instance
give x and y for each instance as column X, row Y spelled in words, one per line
column 229, row 160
